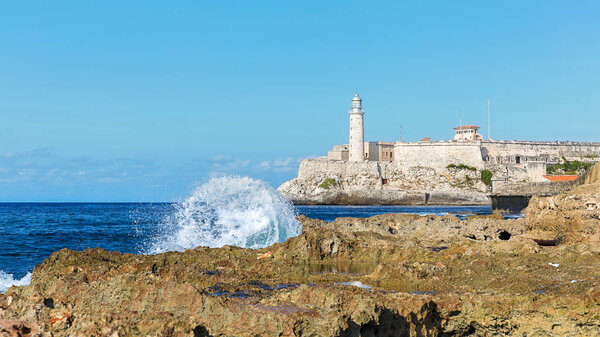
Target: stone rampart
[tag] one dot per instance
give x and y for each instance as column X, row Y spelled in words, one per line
column 340, row 169
column 438, row 154
column 525, row 188
column 421, row 173
column 517, row 152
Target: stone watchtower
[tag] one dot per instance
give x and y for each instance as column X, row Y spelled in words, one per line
column 357, row 131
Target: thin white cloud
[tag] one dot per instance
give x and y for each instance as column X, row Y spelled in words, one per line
column 234, row 165
column 46, row 166
column 279, row 165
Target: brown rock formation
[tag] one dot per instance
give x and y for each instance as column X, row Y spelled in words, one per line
column 17, row 328
column 593, row 176
column 388, row 275
column 572, row 216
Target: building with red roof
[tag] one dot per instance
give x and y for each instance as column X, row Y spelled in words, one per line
column 561, row 178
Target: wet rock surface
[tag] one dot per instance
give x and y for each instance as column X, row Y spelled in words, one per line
column 388, row 275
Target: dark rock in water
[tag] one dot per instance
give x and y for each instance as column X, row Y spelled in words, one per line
column 479, row 282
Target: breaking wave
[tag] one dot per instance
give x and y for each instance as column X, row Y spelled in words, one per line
column 229, row 210
column 8, row 280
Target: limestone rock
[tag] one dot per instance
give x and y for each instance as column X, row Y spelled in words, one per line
column 18, row 328
column 364, row 183
column 571, row 216
column 422, row 276
column 593, row 176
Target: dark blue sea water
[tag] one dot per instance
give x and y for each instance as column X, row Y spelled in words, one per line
column 30, row 232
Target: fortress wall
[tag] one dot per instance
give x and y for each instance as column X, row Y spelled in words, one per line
column 511, row 152
column 335, row 168
column 438, row 154
column 372, row 151
column 528, row 188
column 536, row 171
column 381, row 183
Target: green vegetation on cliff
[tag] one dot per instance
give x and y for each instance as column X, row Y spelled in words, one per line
column 461, row 167
column 328, row 183
column 568, row 167
column 486, row 177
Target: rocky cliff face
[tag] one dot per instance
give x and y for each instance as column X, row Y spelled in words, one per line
column 336, row 182
column 388, row 275
column 593, row 177
column 574, row 215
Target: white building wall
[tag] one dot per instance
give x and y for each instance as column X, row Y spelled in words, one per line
column 372, row 151
column 536, row 171
column 341, row 169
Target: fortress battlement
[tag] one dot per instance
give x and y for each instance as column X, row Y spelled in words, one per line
column 430, row 172
column 537, row 142
column 466, row 147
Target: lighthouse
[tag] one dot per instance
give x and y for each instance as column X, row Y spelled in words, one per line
column 357, row 130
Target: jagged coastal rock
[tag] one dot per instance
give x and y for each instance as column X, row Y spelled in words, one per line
column 323, row 181
column 593, row 176
column 388, row 275
column 576, row 212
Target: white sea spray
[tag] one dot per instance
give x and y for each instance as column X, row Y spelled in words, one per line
column 357, row 284
column 229, row 210
column 8, row 280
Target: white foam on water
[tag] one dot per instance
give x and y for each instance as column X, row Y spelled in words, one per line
column 357, row 284
column 8, row 280
column 229, row 210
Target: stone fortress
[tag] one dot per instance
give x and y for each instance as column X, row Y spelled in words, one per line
column 429, row 172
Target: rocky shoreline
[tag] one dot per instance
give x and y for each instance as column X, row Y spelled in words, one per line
column 390, row 197
column 326, row 182
column 387, row 275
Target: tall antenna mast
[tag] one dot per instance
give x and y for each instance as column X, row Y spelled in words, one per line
column 400, row 133
column 489, row 128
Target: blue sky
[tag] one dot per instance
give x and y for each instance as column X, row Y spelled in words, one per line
column 140, row 100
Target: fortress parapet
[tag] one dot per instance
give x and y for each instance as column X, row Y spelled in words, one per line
column 438, row 154
column 515, row 152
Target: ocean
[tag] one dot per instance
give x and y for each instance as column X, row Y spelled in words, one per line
column 243, row 212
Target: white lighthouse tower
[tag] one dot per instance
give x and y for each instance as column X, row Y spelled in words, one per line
column 357, row 131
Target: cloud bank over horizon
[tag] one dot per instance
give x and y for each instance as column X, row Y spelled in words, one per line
column 45, row 175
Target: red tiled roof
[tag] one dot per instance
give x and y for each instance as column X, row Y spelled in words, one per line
column 561, row 178
column 426, row 139
column 466, row 127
